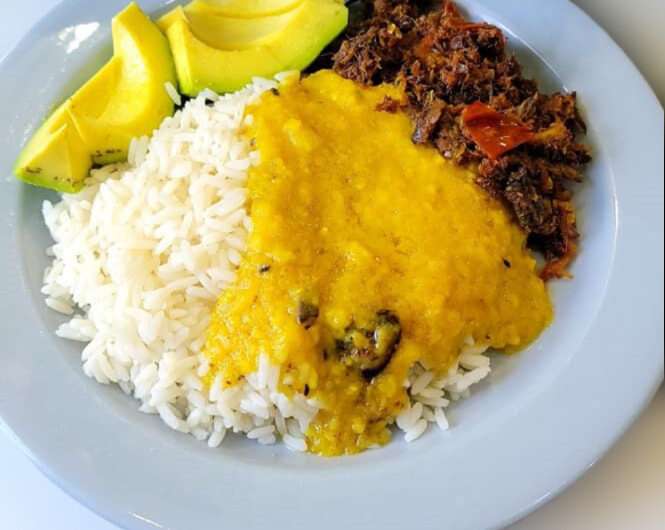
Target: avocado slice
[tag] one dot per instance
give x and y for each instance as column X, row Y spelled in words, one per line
column 224, row 53
column 88, row 104
column 243, row 8
column 56, row 156
column 125, row 99
column 200, row 66
column 233, row 34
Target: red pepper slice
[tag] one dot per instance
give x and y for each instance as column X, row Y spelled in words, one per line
column 495, row 133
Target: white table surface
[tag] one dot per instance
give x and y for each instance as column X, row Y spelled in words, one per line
column 625, row 491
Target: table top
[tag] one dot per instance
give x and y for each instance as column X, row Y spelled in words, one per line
column 624, row 490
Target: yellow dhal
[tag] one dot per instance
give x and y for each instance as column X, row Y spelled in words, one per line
column 368, row 254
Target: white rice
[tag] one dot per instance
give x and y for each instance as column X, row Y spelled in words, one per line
column 173, row 94
column 142, row 253
column 430, row 396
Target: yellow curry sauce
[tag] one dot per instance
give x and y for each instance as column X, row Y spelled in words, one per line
column 352, row 220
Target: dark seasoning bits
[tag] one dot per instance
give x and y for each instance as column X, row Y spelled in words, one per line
column 370, row 349
column 308, row 313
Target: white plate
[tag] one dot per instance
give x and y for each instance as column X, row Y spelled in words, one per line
column 545, row 416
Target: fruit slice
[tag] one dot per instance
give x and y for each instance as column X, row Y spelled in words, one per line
column 316, row 24
column 200, row 66
column 126, row 98
column 225, row 33
column 55, row 157
column 224, row 53
column 244, row 8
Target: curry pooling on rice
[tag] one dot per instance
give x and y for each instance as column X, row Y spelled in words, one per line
column 368, row 254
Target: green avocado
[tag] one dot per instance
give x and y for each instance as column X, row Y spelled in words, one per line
column 126, row 98
column 243, row 8
column 56, row 156
column 223, row 53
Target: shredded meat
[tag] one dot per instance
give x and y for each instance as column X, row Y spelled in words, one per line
column 389, row 105
column 447, row 63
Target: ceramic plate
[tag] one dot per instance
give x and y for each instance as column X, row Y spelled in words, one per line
column 544, row 417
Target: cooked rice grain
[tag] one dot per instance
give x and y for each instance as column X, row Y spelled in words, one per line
column 430, row 396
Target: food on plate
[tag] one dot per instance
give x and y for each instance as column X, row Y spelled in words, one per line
column 317, row 256
column 448, row 64
column 144, row 250
column 368, row 254
column 244, row 8
column 220, row 51
column 125, row 99
column 56, row 157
